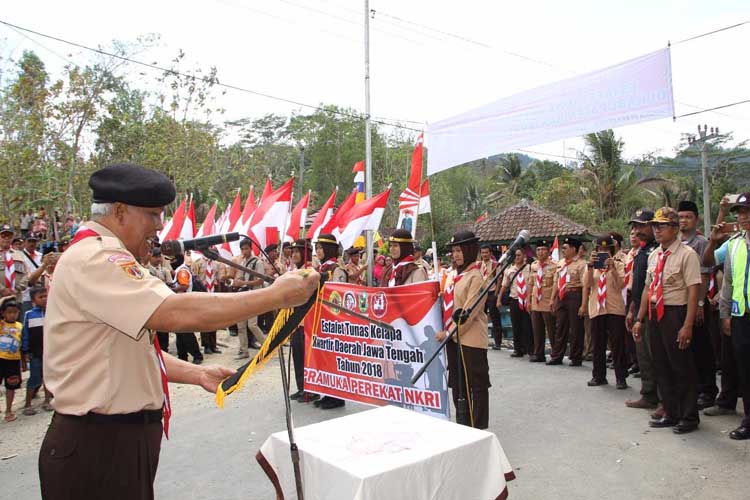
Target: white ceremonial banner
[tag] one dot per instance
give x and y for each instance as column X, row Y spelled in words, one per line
column 631, row 92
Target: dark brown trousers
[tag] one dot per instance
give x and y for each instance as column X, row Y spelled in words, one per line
column 477, row 376
column 569, row 327
column 81, row 460
column 676, row 374
column 609, row 328
column 741, row 343
column 543, row 324
column 521, row 323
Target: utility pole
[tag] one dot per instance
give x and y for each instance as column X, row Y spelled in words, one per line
column 701, row 140
column 301, row 172
column 368, row 141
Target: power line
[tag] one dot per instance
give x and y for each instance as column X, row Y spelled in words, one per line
column 725, row 28
column 713, row 109
column 381, row 121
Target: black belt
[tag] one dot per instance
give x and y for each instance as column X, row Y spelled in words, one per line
column 139, row 417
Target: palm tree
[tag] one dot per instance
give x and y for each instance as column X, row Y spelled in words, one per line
column 509, row 178
column 604, row 167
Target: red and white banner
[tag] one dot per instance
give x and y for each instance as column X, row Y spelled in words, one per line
column 410, row 198
column 271, row 215
column 324, row 215
column 365, row 216
column 424, row 201
column 349, row 358
column 297, row 218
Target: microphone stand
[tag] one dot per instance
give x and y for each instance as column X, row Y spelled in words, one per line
column 212, row 254
column 461, row 407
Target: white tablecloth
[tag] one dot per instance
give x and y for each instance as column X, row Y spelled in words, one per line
column 389, row 453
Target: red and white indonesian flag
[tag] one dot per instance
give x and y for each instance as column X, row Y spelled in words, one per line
column 188, row 226
column 340, row 212
column 271, row 215
column 208, row 227
column 242, row 225
column 365, row 216
column 173, row 229
column 424, row 201
column 555, row 253
column 409, row 200
column 297, row 219
column 324, row 215
column 235, row 212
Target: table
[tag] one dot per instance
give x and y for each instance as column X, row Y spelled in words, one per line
column 389, row 453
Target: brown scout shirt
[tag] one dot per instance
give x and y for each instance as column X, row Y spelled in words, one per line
column 22, row 273
column 98, row 356
column 510, row 274
column 474, row 332
column 681, row 270
column 548, row 284
column 576, row 270
column 614, row 303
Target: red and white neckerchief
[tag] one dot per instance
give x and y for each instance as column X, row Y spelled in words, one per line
column 328, row 265
column 84, row 233
column 522, row 291
column 448, row 296
column 10, row 271
column 487, row 267
column 628, row 274
column 601, row 291
column 539, row 282
column 289, row 264
column 209, row 276
column 712, row 285
column 409, row 259
column 657, row 286
column 562, row 283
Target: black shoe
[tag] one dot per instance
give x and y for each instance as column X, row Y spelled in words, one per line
column 705, row 402
column 296, row 395
column 320, row 401
column 740, row 433
column 207, row 350
column 595, row 382
column 232, row 334
column 621, row 384
column 633, row 370
column 254, row 345
column 685, row 427
column 575, row 363
column 554, row 362
column 215, row 350
column 197, row 361
column 537, row 359
column 496, row 348
column 517, row 355
column 662, row 422
column 332, row 403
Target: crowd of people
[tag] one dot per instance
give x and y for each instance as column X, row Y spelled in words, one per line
column 668, row 306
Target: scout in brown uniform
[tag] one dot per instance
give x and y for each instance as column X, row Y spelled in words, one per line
column 669, row 303
column 516, row 281
column 567, row 297
column 487, row 267
column 107, row 376
column 607, row 311
column 158, row 269
column 404, row 269
column 472, row 330
column 301, row 253
column 13, row 272
column 244, row 281
column 354, row 270
column 542, row 277
column 327, row 250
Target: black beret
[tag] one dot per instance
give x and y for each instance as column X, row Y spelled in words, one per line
column 544, row 243
column 133, row 185
column 574, row 242
column 688, row 206
column 271, row 247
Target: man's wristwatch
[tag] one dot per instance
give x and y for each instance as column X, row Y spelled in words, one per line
column 701, row 303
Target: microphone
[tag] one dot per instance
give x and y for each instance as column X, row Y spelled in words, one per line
column 173, row 248
column 522, row 238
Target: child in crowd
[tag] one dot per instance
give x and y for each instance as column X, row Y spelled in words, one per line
column 31, row 347
column 10, row 353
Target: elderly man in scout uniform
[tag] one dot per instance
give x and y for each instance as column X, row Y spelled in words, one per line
column 734, row 306
column 669, row 303
column 567, row 298
column 14, row 272
column 108, row 377
column 542, row 277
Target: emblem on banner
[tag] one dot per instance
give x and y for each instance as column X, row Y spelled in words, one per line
column 379, row 304
column 350, row 302
column 335, row 297
column 363, row 303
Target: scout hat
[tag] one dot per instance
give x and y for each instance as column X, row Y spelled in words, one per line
column 5, row 228
column 133, row 185
column 642, row 216
column 605, row 241
column 401, row 236
column 666, row 215
column 574, row 242
column 544, row 243
column 462, row 238
column 743, row 200
column 354, row 250
column 301, row 243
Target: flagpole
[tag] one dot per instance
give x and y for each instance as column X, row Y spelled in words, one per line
column 368, row 139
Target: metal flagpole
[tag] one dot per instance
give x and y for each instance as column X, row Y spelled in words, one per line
column 368, row 141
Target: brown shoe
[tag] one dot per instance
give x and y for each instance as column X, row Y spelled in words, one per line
column 642, row 404
column 659, row 413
